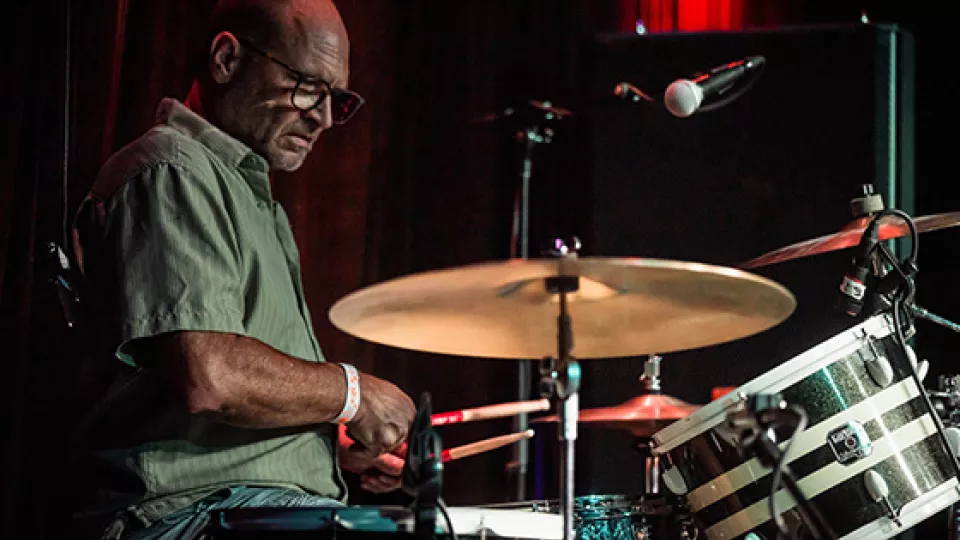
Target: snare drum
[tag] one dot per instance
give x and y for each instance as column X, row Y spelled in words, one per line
column 866, row 413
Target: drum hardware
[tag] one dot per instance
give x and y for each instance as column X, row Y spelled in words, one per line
column 866, row 205
column 946, row 402
column 422, row 473
column 755, row 425
column 641, row 416
column 529, row 124
column 877, row 365
column 534, row 132
column 560, row 380
column 880, row 493
column 651, row 469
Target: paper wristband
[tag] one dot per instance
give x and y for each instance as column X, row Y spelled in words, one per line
column 352, row 402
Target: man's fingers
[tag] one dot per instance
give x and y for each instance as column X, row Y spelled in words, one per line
column 379, row 484
column 389, row 464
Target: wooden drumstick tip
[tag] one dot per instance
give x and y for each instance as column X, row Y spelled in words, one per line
column 485, row 445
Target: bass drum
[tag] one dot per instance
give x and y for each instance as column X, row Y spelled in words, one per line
column 869, row 423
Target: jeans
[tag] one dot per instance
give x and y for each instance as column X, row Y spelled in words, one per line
column 192, row 522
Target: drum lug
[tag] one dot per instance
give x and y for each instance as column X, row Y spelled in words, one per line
column 920, row 367
column 674, row 481
column 879, row 367
column 880, row 493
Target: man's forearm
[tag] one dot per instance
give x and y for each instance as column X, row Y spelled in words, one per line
column 249, row 384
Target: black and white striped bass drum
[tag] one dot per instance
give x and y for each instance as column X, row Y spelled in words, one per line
column 866, row 412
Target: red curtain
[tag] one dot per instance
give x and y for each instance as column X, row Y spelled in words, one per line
column 697, row 15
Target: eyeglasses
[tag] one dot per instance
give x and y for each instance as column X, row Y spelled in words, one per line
column 309, row 92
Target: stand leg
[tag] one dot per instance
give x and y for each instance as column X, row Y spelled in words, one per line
column 569, row 408
column 651, row 485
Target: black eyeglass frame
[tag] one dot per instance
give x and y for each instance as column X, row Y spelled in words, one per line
column 346, row 102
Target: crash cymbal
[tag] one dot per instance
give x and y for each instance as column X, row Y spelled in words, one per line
column 624, row 307
column 642, row 416
column 890, row 227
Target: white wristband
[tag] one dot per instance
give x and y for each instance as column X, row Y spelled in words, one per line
column 352, row 402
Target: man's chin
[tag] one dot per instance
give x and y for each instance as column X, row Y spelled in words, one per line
column 286, row 160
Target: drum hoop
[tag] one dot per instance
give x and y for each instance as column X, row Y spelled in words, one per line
column 793, row 370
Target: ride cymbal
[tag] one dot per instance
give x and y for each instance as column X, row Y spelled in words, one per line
column 890, row 227
column 624, row 307
column 641, row 416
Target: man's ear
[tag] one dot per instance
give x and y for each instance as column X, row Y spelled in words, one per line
column 224, row 57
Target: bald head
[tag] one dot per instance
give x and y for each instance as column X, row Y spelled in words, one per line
column 272, row 23
column 256, row 53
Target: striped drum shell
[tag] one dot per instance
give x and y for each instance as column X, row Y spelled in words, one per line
column 860, row 418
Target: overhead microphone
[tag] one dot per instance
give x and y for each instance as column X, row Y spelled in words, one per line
column 853, row 287
column 684, row 96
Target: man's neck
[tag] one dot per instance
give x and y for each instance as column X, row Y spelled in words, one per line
column 193, row 101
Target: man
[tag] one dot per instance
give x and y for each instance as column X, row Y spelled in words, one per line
column 222, row 397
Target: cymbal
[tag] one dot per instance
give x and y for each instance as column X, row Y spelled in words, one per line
column 642, row 416
column 890, row 227
column 624, row 307
column 542, row 109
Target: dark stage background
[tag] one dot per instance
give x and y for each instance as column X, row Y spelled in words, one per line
column 414, row 184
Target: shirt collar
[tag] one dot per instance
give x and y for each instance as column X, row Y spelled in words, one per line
column 233, row 152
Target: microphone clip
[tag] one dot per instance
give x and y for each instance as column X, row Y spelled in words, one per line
column 422, row 474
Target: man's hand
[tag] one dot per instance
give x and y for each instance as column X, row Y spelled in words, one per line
column 380, row 474
column 383, row 419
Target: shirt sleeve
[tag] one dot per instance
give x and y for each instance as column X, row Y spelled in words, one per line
column 178, row 259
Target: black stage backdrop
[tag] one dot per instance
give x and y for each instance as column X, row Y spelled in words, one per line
column 411, row 184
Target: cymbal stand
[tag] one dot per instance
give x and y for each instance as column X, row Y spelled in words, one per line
column 560, row 380
column 532, row 133
column 651, row 383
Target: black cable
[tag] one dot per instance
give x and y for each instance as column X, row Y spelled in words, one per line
column 799, row 423
column 914, row 236
column 907, row 290
column 446, row 516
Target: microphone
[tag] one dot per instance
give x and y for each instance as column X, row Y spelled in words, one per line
column 853, row 287
column 684, row 96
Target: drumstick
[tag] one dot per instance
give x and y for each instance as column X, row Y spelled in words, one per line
column 485, row 445
column 490, row 411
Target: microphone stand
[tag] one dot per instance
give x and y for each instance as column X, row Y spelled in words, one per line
column 532, row 118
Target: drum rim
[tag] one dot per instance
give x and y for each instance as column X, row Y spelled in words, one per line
column 809, row 361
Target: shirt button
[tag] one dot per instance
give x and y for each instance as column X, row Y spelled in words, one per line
column 261, row 205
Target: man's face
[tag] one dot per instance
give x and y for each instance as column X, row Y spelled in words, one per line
column 262, row 113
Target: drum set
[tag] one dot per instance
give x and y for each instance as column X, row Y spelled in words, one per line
column 840, row 442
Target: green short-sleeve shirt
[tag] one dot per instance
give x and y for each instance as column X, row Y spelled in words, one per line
column 185, row 235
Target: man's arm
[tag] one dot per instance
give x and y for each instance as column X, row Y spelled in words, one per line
column 246, row 383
